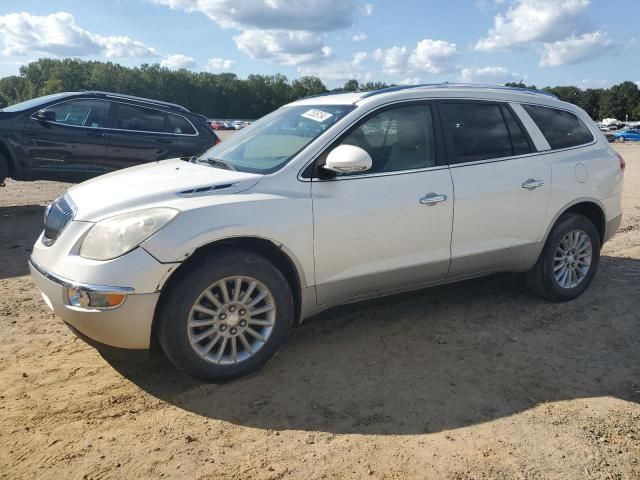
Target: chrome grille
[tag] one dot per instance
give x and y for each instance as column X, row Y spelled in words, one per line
column 56, row 217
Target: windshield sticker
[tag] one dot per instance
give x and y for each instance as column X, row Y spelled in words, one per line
column 317, row 115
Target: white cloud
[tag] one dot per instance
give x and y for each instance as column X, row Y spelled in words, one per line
column 367, row 9
column 393, row 60
column 359, row 37
column 340, row 71
column 58, row 34
column 309, row 15
column 359, row 57
column 527, row 21
column 220, row 64
column 284, row 47
column 278, row 31
column 178, row 61
column 575, row 49
column 433, row 56
column 487, row 75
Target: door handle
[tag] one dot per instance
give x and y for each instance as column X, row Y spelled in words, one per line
column 532, row 184
column 432, row 199
column 96, row 134
column 164, row 140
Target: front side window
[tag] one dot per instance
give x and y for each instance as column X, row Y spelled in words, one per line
column 397, row 139
column 131, row 117
column 561, row 129
column 476, row 131
column 271, row 142
column 82, row 113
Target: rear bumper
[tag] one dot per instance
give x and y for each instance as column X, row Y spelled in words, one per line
column 127, row 326
column 612, row 227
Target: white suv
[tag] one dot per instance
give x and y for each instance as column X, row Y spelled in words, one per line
column 328, row 200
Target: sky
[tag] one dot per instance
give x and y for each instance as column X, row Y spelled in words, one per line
column 588, row 43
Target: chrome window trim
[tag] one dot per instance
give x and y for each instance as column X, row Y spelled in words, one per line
column 586, row 124
column 65, row 282
column 457, row 165
column 33, row 117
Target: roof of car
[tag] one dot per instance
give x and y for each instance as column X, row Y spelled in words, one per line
column 434, row 90
column 132, row 98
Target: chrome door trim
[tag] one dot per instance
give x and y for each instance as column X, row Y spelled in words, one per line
column 65, row 282
column 33, row 117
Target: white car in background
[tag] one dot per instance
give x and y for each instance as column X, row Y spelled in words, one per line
column 329, row 200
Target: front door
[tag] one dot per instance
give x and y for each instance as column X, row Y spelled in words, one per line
column 73, row 144
column 502, row 187
column 389, row 228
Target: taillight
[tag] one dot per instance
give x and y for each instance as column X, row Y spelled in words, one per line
column 623, row 165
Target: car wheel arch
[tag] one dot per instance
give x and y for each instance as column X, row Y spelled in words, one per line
column 588, row 207
column 13, row 168
column 275, row 253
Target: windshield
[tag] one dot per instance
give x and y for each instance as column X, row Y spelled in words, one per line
column 275, row 139
column 34, row 102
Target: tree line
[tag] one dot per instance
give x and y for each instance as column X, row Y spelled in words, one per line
column 224, row 95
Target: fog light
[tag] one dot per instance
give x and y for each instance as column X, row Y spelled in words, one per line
column 81, row 298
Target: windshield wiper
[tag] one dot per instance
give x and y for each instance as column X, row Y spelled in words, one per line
column 216, row 162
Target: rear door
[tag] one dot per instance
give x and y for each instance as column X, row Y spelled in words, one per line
column 74, row 145
column 502, row 186
column 139, row 135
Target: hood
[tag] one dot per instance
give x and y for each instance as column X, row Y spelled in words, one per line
column 154, row 184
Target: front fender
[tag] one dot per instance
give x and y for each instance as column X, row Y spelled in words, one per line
column 285, row 221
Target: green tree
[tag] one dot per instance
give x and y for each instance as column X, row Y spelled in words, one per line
column 351, row 86
column 620, row 100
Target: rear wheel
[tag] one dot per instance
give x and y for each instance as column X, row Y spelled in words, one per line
column 226, row 316
column 568, row 260
column 4, row 169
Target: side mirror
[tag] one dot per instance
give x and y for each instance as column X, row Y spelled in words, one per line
column 46, row 115
column 348, row 159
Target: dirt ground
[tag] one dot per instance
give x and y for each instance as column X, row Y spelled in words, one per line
column 469, row 381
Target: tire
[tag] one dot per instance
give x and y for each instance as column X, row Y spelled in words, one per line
column 187, row 292
column 4, row 169
column 542, row 278
column 621, row 139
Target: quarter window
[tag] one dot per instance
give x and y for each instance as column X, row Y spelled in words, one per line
column 477, row 131
column 397, row 139
column 180, row 125
column 82, row 113
column 561, row 129
column 130, row 117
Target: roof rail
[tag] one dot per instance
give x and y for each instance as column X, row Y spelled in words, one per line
column 149, row 101
column 530, row 91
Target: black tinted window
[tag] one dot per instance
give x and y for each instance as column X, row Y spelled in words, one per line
column 561, row 129
column 519, row 140
column 130, row 117
column 181, row 125
column 475, row 131
column 82, row 113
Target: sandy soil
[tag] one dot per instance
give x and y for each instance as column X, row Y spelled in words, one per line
column 469, row 381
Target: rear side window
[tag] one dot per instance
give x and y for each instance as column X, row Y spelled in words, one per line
column 561, row 129
column 519, row 140
column 180, row 125
column 478, row 131
column 130, row 117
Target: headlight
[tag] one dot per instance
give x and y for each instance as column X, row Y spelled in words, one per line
column 115, row 236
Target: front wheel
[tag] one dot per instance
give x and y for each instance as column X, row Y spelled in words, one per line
column 225, row 316
column 568, row 261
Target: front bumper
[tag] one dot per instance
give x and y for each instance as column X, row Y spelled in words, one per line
column 127, row 326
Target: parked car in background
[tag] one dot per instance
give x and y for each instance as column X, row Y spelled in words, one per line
column 238, row 125
column 326, row 201
column 78, row 135
column 217, row 125
column 627, row 135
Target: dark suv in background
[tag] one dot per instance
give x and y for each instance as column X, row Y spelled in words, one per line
column 78, row 135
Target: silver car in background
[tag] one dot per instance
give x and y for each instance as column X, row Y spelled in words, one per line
column 328, row 200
